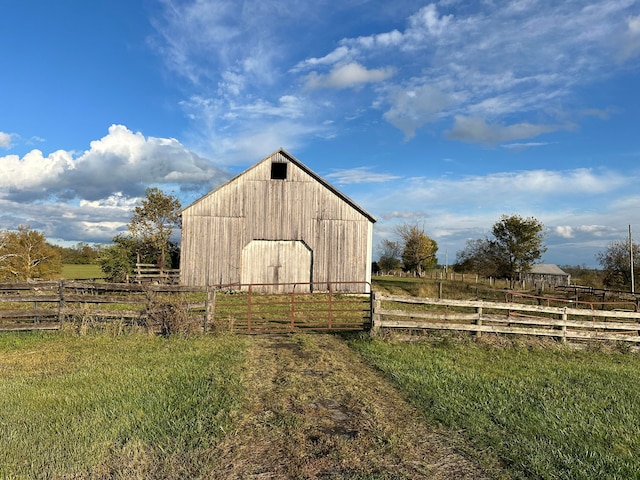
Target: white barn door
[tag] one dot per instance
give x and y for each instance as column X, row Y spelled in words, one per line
column 280, row 262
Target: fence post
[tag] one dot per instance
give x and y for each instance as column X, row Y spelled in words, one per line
column 60, row 304
column 440, row 290
column 330, row 308
column 249, row 301
column 564, row 327
column 209, row 309
column 479, row 321
column 375, row 316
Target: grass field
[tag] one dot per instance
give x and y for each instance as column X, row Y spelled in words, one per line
column 138, row 406
column 81, row 272
column 552, row 413
column 132, row 406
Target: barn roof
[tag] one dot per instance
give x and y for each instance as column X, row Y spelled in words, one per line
column 303, row 167
column 547, row 269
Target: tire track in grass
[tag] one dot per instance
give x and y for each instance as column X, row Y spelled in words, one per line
column 316, row 410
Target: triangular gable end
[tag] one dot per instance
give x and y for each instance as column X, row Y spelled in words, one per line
column 302, row 167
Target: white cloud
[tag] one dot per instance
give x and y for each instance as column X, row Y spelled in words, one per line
column 630, row 42
column 345, row 76
column 359, row 175
column 33, row 171
column 487, row 68
column 564, row 231
column 339, row 55
column 121, row 161
column 522, row 146
column 427, row 19
column 89, row 196
column 552, row 48
column 117, row 201
column 413, row 107
column 469, row 129
column 5, row 140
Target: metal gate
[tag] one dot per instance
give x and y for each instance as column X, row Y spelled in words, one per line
column 306, row 307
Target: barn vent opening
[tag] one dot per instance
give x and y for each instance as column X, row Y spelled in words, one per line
column 278, row 171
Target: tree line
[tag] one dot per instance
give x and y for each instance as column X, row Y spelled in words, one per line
column 513, row 247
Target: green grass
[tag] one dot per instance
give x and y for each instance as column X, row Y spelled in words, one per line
column 431, row 287
column 132, row 406
column 81, row 272
column 547, row 413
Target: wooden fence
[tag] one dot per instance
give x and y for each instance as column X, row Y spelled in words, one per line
column 590, row 321
column 151, row 273
column 49, row 305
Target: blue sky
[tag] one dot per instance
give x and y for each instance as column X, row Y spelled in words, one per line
column 446, row 114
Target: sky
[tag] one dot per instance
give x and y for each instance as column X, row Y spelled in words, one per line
column 445, row 114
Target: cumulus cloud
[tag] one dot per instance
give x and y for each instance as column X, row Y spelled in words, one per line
column 346, row 76
column 564, row 231
column 88, row 196
column 583, row 231
column 122, row 161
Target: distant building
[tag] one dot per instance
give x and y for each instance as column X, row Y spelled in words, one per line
column 277, row 223
column 547, row 274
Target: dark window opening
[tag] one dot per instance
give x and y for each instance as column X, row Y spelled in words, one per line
column 278, row 171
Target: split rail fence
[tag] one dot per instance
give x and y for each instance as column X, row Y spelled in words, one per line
column 240, row 308
column 245, row 308
column 539, row 316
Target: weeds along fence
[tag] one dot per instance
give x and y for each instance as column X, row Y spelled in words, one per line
column 183, row 309
column 532, row 315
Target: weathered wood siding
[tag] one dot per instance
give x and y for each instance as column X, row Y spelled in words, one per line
column 252, row 206
column 275, row 262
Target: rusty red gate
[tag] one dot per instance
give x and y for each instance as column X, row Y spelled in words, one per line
column 255, row 308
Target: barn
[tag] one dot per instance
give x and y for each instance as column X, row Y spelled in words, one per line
column 547, row 274
column 280, row 225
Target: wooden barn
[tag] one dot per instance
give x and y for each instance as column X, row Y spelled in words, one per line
column 547, row 275
column 277, row 223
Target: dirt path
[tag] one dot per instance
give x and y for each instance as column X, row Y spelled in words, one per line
column 318, row 411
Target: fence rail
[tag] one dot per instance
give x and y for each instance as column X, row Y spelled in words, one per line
column 243, row 308
column 392, row 311
column 151, row 273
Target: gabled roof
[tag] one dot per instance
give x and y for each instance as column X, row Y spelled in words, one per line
column 547, row 269
column 303, row 167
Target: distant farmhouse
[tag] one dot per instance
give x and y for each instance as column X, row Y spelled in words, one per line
column 277, row 223
column 547, row 275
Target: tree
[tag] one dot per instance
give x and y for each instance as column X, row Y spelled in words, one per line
column 117, row 260
column 479, row 256
column 616, row 264
column 390, row 253
column 154, row 221
column 80, row 254
column 25, row 255
column 518, row 243
column 515, row 246
column 419, row 251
